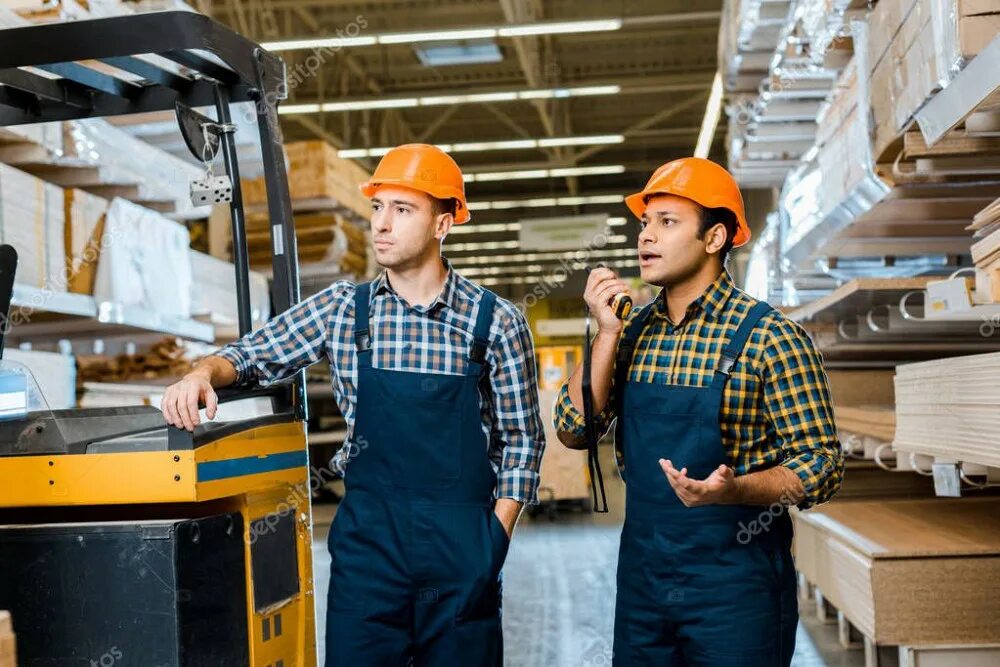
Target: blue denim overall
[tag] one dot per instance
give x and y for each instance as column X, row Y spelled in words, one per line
column 692, row 589
column 416, row 549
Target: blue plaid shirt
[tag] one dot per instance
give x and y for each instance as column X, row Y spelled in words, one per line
column 432, row 339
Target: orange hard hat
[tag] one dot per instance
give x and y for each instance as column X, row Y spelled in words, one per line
column 425, row 168
column 701, row 181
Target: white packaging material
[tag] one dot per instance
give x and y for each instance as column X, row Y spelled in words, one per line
column 55, row 374
column 32, row 217
column 145, row 261
column 213, row 290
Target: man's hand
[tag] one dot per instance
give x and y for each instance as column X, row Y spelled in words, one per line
column 181, row 400
column 507, row 510
column 602, row 285
column 717, row 489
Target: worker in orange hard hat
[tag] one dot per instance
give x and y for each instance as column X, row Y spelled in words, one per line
column 435, row 377
column 723, row 422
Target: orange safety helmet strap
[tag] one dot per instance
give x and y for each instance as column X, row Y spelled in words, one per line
column 703, row 182
column 425, row 168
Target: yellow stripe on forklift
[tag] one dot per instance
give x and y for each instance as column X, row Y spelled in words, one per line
column 97, row 479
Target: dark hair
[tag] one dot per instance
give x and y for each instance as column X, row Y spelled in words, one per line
column 710, row 217
column 442, row 206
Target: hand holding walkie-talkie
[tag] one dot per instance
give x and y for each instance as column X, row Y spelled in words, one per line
column 607, row 298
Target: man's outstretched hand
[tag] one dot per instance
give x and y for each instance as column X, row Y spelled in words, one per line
column 717, row 489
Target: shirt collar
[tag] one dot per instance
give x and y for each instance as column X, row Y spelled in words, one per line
column 710, row 302
column 448, row 296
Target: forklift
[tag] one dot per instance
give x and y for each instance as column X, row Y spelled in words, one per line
column 125, row 541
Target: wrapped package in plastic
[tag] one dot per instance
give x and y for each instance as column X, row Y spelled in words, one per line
column 158, row 175
column 51, row 11
column 213, row 290
column 838, row 183
column 31, row 220
column 917, row 48
column 144, row 262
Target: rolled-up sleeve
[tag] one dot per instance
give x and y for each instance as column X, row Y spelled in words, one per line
column 797, row 403
column 567, row 419
column 516, row 416
column 291, row 341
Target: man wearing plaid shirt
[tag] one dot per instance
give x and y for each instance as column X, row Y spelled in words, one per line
column 435, row 377
column 723, row 421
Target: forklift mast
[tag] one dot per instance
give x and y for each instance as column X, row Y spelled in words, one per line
column 213, row 67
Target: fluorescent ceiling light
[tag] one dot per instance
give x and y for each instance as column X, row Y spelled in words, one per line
column 485, row 245
column 542, row 269
column 510, row 245
column 443, row 100
column 515, row 144
column 562, row 28
column 617, row 222
column 527, row 174
column 437, row 36
column 539, row 202
column 474, row 228
column 325, row 43
column 485, row 32
column 711, row 120
column 555, row 255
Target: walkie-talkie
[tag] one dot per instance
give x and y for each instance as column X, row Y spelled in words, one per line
column 621, row 303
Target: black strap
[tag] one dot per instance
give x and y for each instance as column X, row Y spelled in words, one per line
column 362, row 333
column 734, row 348
column 481, row 332
column 590, row 427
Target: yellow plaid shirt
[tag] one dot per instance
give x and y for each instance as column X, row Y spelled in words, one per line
column 776, row 407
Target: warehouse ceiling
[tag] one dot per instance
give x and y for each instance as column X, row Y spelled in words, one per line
column 640, row 78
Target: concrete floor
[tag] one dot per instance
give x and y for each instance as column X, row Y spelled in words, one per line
column 559, row 592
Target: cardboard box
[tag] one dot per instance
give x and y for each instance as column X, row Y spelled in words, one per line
column 31, row 220
column 85, row 215
column 907, row 571
column 8, row 651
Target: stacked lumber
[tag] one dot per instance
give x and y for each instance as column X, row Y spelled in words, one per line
column 8, row 651
column 950, row 408
column 907, row 571
column 109, row 162
column 84, row 232
column 876, row 421
column 326, row 237
column 32, row 219
column 986, row 253
column 168, row 358
column 317, row 180
column 864, row 480
column 916, row 47
column 863, row 402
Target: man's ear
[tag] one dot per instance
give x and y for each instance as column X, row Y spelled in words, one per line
column 715, row 239
column 442, row 225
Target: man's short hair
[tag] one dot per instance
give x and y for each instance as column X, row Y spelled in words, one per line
column 442, row 206
column 710, row 217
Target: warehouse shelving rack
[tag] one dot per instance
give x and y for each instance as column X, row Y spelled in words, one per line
column 118, row 480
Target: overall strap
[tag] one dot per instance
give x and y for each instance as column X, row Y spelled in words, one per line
column 734, row 348
column 481, row 333
column 362, row 333
column 623, row 357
